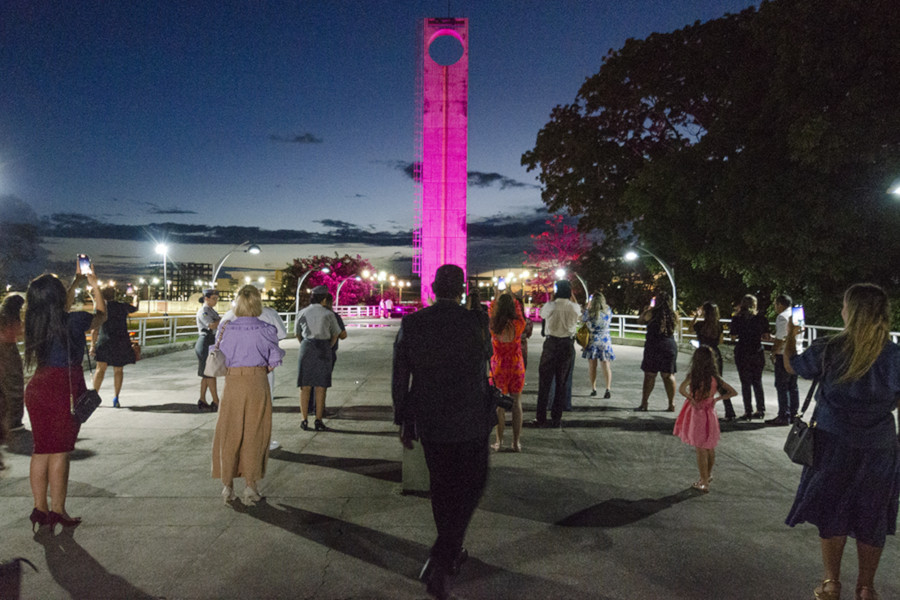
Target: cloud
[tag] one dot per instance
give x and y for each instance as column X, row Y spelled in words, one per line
column 475, row 178
column 306, row 138
column 334, row 224
column 479, row 179
column 155, row 209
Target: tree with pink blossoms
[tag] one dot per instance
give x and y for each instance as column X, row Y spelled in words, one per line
column 331, row 272
column 561, row 246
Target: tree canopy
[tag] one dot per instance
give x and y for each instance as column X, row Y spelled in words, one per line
column 751, row 151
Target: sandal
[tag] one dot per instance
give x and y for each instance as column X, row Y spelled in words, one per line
column 865, row 592
column 516, row 447
column 833, row 594
column 496, row 446
column 700, row 487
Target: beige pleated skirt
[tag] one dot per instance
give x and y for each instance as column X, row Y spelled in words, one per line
column 244, row 426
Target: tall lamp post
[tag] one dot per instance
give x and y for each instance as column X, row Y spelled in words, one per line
column 251, row 248
column 164, row 250
column 337, row 292
column 670, row 273
column 300, row 282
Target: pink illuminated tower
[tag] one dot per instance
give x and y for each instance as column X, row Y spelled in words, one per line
column 440, row 236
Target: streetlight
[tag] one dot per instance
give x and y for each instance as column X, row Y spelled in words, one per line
column 252, row 249
column 561, row 274
column 670, row 273
column 337, row 293
column 300, row 282
column 164, row 250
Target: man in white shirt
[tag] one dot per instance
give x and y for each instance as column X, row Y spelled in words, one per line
column 561, row 317
column 785, row 383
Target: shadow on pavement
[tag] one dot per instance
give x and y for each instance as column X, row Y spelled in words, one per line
column 171, row 407
column 617, row 512
column 385, row 470
column 402, row 556
column 78, row 572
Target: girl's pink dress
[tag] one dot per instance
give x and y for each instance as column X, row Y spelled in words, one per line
column 697, row 423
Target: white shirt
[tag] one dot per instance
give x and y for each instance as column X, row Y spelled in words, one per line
column 781, row 329
column 562, row 317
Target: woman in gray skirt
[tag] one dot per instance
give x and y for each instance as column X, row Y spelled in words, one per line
column 318, row 330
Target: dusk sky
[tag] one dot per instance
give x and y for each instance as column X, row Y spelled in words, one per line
column 283, row 115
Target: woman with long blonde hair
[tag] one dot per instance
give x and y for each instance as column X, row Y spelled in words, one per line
column 853, row 486
column 599, row 348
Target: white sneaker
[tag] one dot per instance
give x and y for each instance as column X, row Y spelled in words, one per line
column 228, row 494
column 273, row 445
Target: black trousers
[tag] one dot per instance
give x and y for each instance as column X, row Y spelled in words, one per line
column 750, row 367
column 557, row 356
column 458, row 475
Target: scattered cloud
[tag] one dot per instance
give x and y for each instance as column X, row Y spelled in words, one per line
column 479, row 179
column 155, row 209
column 334, row 224
column 305, row 138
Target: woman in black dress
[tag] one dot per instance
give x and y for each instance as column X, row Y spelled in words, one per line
column 750, row 329
column 708, row 331
column 853, row 486
column 660, row 349
column 111, row 345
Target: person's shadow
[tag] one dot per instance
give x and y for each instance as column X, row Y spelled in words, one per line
column 78, row 572
column 617, row 512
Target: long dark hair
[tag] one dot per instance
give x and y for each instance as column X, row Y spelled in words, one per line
column 663, row 313
column 710, row 326
column 703, row 370
column 503, row 313
column 45, row 318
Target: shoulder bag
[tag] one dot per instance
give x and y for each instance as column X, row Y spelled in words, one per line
column 215, row 360
column 799, row 443
column 84, row 406
column 583, row 335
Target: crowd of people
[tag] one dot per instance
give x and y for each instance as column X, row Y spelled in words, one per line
column 442, row 394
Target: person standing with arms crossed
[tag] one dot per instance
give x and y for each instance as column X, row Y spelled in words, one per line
column 439, row 389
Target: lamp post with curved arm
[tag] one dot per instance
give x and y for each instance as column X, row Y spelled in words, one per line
column 337, row 292
column 252, row 249
column 300, row 282
column 670, row 272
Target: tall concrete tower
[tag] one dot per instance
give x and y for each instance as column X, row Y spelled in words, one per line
column 440, row 236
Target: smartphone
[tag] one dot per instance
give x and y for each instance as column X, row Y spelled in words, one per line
column 84, row 264
column 798, row 315
column 652, row 301
column 695, row 343
column 129, row 290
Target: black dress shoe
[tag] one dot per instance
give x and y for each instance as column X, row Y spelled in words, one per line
column 539, row 423
column 304, row 425
column 435, row 577
column 320, row 426
column 607, row 395
column 462, row 557
column 593, row 392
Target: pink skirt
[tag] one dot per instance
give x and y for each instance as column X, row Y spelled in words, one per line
column 47, row 402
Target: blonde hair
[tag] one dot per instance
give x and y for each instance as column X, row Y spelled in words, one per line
column 598, row 305
column 866, row 332
column 248, row 302
column 748, row 304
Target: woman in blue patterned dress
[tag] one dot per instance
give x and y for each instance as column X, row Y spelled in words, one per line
column 599, row 349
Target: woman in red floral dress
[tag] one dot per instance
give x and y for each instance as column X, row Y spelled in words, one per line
column 507, row 366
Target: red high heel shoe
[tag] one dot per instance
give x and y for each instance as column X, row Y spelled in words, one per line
column 54, row 518
column 38, row 518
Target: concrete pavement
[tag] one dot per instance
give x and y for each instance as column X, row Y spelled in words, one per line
column 601, row 509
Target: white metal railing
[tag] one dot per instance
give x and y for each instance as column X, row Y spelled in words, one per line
column 177, row 328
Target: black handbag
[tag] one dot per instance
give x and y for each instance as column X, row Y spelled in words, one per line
column 87, row 402
column 500, row 399
column 799, row 445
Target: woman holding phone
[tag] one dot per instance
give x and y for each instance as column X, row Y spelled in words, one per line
column 55, row 343
column 111, row 345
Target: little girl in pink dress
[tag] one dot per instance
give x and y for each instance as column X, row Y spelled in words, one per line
column 697, row 424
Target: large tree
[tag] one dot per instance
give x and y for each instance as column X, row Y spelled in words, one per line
column 341, row 271
column 756, row 148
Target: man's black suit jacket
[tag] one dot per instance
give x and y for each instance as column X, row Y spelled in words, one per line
column 440, row 373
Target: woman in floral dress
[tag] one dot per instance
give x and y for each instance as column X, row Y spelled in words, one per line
column 599, row 349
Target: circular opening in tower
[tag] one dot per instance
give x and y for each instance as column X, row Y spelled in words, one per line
column 445, row 50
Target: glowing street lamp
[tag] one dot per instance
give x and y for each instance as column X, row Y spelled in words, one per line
column 251, row 248
column 300, row 283
column 337, row 292
column 670, row 273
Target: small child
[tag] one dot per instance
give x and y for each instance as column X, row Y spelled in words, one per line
column 697, row 424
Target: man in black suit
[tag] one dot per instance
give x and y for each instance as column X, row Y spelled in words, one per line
column 444, row 349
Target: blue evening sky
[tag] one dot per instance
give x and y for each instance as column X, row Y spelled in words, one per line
column 283, row 114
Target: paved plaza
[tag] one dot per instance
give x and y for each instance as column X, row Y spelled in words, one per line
column 600, row 509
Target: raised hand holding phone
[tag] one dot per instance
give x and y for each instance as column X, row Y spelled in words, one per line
column 83, row 265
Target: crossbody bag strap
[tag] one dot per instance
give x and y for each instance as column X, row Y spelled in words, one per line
column 809, row 396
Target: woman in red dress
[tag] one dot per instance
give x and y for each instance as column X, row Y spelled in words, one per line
column 507, row 366
column 55, row 342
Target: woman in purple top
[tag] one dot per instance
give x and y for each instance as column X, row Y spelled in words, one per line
column 853, row 486
column 244, row 426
